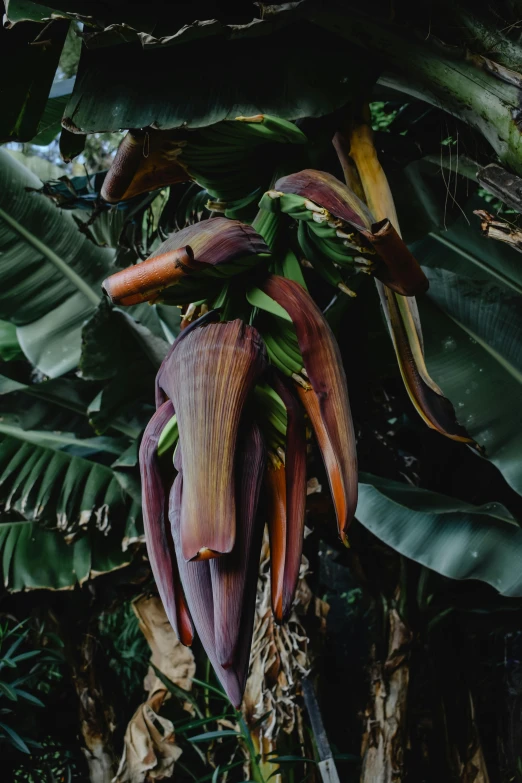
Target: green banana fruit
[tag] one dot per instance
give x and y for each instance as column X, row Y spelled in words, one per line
column 283, row 361
column 321, row 263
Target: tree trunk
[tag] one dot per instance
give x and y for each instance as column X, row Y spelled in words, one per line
column 385, row 734
column 96, row 715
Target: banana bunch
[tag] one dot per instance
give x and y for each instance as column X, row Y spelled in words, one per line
column 324, row 242
column 280, row 339
column 337, row 231
column 186, row 205
column 237, row 394
column 233, row 160
column 272, row 416
column 226, row 159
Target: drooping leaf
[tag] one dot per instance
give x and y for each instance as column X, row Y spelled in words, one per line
column 290, row 89
column 50, row 123
column 50, row 273
column 42, row 480
column 31, row 63
column 472, row 346
column 27, row 11
column 452, row 537
column 36, row 558
column 428, row 398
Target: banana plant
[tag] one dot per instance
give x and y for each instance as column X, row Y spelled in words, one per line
column 70, row 503
column 225, row 449
column 263, row 333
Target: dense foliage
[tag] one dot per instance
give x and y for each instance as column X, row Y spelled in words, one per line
column 128, row 131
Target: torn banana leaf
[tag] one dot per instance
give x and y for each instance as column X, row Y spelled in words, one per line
column 339, row 228
column 434, row 408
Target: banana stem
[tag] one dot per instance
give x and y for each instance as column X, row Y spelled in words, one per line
column 341, row 142
column 483, row 94
column 356, row 144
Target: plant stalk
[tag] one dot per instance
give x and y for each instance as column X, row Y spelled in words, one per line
column 483, row 94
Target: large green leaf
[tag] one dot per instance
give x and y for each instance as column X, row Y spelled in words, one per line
column 9, row 345
column 43, row 168
column 33, row 557
column 50, row 123
column 472, row 326
column 50, row 272
column 472, row 353
column 461, row 249
column 452, row 537
column 79, row 515
column 182, row 90
column 26, row 11
column 43, row 480
column 126, row 355
column 28, row 67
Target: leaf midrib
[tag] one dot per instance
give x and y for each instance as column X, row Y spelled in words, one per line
column 51, row 256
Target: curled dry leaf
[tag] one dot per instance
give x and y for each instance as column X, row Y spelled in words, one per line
column 168, row 655
column 150, row 749
column 401, row 312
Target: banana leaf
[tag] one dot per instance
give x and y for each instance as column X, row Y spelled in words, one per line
column 9, row 346
column 80, row 513
column 35, row 558
column 454, row 538
column 28, row 69
column 248, row 81
column 461, row 249
column 50, row 272
column 50, row 123
column 42, row 167
column 472, row 347
column 125, row 355
column 45, row 477
column 26, row 11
